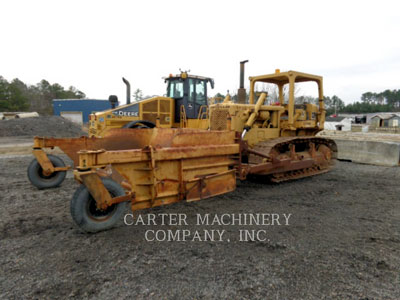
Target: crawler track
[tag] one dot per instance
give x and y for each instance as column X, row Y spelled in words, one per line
column 281, row 149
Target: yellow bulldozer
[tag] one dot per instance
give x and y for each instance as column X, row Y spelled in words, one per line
column 278, row 139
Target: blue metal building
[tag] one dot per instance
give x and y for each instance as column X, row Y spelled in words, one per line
column 78, row 110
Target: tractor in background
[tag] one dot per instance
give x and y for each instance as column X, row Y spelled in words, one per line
column 184, row 106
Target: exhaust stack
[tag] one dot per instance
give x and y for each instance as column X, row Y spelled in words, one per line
column 242, row 90
column 128, row 90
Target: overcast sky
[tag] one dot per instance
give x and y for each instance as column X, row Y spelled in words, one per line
column 354, row 45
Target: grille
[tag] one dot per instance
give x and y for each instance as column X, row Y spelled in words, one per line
column 164, row 105
column 150, row 106
column 218, row 119
column 150, row 117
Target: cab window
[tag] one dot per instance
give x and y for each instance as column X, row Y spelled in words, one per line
column 175, row 89
column 192, row 92
column 201, row 92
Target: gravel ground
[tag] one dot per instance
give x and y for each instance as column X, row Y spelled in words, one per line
column 50, row 126
column 342, row 242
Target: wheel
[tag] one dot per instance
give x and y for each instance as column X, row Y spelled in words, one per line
column 85, row 213
column 41, row 181
column 139, row 124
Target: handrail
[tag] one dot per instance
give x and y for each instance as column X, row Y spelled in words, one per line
column 183, row 119
column 201, row 112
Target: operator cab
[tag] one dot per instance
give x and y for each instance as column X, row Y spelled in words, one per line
column 189, row 91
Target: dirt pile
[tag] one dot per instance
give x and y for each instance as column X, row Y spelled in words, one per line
column 51, row 126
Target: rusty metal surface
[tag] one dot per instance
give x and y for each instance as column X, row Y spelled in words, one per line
column 207, row 186
column 127, row 138
column 173, row 165
column 89, row 158
column 297, row 174
column 124, row 198
column 97, row 189
column 267, row 146
column 44, row 161
column 164, row 165
column 280, row 158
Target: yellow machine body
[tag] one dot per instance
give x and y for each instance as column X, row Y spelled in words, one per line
column 155, row 109
column 186, row 106
column 264, row 122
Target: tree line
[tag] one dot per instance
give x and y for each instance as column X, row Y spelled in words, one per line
column 19, row 96
column 386, row 101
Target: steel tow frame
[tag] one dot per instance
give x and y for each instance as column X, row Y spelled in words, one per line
column 154, row 176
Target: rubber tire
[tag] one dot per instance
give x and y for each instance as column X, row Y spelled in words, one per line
column 139, row 124
column 54, row 180
column 81, row 200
